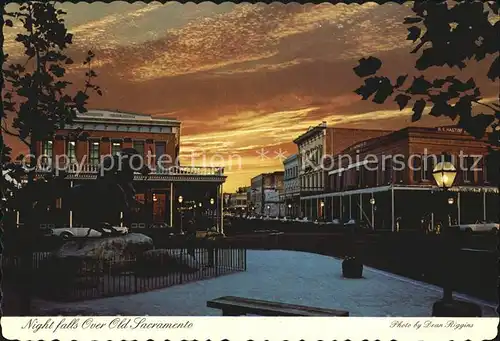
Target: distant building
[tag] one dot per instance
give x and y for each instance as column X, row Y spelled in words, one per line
column 291, row 193
column 238, row 201
column 263, row 187
column 388, row 181
column 317, row 146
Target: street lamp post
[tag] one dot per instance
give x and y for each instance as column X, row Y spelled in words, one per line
column 181, row 199
column 322, row 204
column 444, row 174
column 212, row 202
column 372, row 204
column 289, row 209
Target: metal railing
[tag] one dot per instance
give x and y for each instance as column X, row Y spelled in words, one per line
column 78, row 278
column 88, row 168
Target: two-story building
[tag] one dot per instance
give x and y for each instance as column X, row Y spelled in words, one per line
column 388, row 183
column 315, row 149
column 238, row 201
column 104, row 132
column 267, row 189
column 291, row 192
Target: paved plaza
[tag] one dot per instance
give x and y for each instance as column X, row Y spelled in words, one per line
column 285, row 276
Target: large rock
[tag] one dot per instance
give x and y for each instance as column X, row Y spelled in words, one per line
column 110, row 248
column 160, row 261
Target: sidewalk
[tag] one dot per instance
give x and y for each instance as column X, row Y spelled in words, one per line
column 286, row 276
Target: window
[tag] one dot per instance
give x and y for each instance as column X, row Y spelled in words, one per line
column 428, row 167
column 71, row 152
column 417, row 161
column 116, row 147
column 160, row 149
column 490, row 174
column 47, row 150
column 94, row 152
column 468, row 171
column 399, row 175
column 388, row 171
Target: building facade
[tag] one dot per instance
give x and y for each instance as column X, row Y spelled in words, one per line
column 387, row 182
column 315, row 150
column 291, row 193
column 263, row 189
column 238, row 201
column 103, row 132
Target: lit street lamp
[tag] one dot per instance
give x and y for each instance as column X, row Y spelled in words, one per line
column 212, row 202
column 290, row 209
column 322, row 204
column 444, row 174
column 181, row 199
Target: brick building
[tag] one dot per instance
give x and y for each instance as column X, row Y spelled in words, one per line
column 157, row 139
column 291, row 192
column 238, row 201
column 266, row 191
column 387, row 181
column 315, row 148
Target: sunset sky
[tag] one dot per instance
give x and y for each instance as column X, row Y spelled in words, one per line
column 242, row 77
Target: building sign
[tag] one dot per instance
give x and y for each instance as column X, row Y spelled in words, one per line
column 450, row 130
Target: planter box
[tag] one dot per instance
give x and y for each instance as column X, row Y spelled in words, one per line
column 352, row 268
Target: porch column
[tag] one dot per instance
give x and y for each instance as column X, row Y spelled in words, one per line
column 484, row 205
column 373, row 213
column 341, row 209
column 221, row 209
column 392, row 208
column 332, row 203
column 360, row 206
column 350, row 207
column 71, row 212
column 458, row 208
column 171, row 204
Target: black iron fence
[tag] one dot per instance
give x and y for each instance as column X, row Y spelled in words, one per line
column 78, row 278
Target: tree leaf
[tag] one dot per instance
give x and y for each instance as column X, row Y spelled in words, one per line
column 367, row 66
column 420, row 86
column 413, row 33
column 418, row 108
column 402, row 100
column 9, row 23
column 385, row 89
column 400, row 81
column 477, row 125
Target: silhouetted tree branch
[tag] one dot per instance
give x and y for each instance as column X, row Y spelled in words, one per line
column 36, row 96
column 450, row 36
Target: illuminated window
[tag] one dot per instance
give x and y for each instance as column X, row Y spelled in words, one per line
column 47, row 151
column 116, row 147
column 71, row 151
column 94, row 152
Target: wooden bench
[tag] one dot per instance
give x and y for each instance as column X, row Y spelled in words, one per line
column 236, row 306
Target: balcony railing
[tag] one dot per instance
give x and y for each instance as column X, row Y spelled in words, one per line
column 88, row 168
